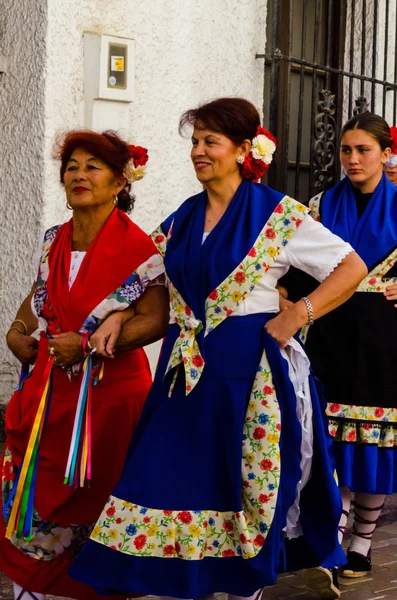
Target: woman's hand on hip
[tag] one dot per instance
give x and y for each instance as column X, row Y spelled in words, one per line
column 24, row 347
column 283, row 327
column 391, row 292
column 67, row 348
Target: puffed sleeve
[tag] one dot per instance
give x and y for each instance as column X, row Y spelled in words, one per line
column 37, row 256
column 314, row 250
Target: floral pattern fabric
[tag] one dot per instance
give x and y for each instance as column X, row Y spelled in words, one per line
column 194, row 535
column 49, row 539
column 126, row 294
column 375, row 280
column 363, row 424
column 314, row 206
column 120, row 299
column 160, row 240
column 223, row 301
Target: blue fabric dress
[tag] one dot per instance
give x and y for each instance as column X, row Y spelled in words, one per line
column 186, row 518
column 353, row 349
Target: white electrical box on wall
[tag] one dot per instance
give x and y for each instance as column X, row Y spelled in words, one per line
column 108, row 80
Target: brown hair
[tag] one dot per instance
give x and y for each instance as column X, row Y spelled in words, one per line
column 374, row 125
column 236, row 118
column 106, row 146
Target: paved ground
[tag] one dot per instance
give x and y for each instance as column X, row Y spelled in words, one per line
column 381, row 584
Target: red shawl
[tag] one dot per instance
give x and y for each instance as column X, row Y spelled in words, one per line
column 118, row 249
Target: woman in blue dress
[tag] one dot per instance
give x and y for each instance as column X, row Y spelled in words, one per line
column 228, row 476
column 353, row 349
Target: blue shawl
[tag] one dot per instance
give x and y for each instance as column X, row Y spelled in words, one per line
column 374, row 235
column 197, row 268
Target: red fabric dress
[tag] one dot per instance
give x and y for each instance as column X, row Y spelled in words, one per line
column 117, row 400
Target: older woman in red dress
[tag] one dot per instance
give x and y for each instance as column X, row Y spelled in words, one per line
column 69, row 424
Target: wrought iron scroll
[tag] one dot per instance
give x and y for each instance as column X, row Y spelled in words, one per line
column 324, row 140
column 362, row 106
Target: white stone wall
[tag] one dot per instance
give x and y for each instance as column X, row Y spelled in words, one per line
column 22, row 174
column 186, row 52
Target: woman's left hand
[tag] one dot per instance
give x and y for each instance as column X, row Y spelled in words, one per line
column 391, row 293
column 286, row 324
column 67, row 348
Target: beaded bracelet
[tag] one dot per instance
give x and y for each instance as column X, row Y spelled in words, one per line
column 309, row 308
column 22, row 323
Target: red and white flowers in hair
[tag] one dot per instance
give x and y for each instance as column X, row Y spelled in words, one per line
column 260, row 156
column 392, row 160
column 136, row 167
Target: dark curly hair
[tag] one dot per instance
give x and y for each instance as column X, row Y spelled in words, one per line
column 106, row 146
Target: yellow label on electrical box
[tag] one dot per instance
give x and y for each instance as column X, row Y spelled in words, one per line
column 117, row 63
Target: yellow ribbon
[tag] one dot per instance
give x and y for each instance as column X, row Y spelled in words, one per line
column 36, row 431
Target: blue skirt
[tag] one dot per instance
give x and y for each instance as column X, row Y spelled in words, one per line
column 366, row 467
column 186, row 455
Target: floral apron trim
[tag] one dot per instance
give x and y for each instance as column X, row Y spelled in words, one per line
column 49, row 539
column 374, row 281
column 314, row 206
column 363, row 424
column 160, row 240
column 192, row 534
column 223, row 301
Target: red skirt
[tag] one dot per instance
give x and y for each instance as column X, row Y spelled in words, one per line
column 117, row 402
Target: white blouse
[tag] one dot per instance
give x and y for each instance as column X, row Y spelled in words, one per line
column 312, row 249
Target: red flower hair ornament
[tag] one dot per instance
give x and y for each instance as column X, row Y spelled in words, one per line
column 260, row 156
column 135, row 169
column 392, row 160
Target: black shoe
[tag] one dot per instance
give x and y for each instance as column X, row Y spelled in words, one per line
column 322, row 581
column 357, row 565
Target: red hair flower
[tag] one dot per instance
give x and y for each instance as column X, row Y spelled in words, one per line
column 260, row 156
column 136, row 166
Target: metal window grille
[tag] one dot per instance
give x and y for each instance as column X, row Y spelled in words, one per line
column 325, row 61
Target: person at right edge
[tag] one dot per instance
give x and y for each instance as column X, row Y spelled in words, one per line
column 353, row 349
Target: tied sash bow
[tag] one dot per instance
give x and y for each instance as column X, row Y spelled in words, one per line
column 186, row 350
column 227, row 296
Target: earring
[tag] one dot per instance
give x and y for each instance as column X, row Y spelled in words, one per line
column 115, row 200
column 240, row 159
column 68, row 206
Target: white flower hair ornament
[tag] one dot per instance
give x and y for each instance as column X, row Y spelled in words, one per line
column 260, row 156
column 135, row 169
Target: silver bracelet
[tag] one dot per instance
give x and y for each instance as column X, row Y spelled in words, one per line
column 309, row 307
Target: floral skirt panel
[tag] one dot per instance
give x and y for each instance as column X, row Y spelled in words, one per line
column 49, row 540
column 195, row 512
column 365, row 447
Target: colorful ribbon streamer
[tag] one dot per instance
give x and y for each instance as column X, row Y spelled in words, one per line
column 21, row 517
column 78, row 468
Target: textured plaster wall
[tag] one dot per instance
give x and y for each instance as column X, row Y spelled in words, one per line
column 186, row 52
column 385, row 53
column 22, row 174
